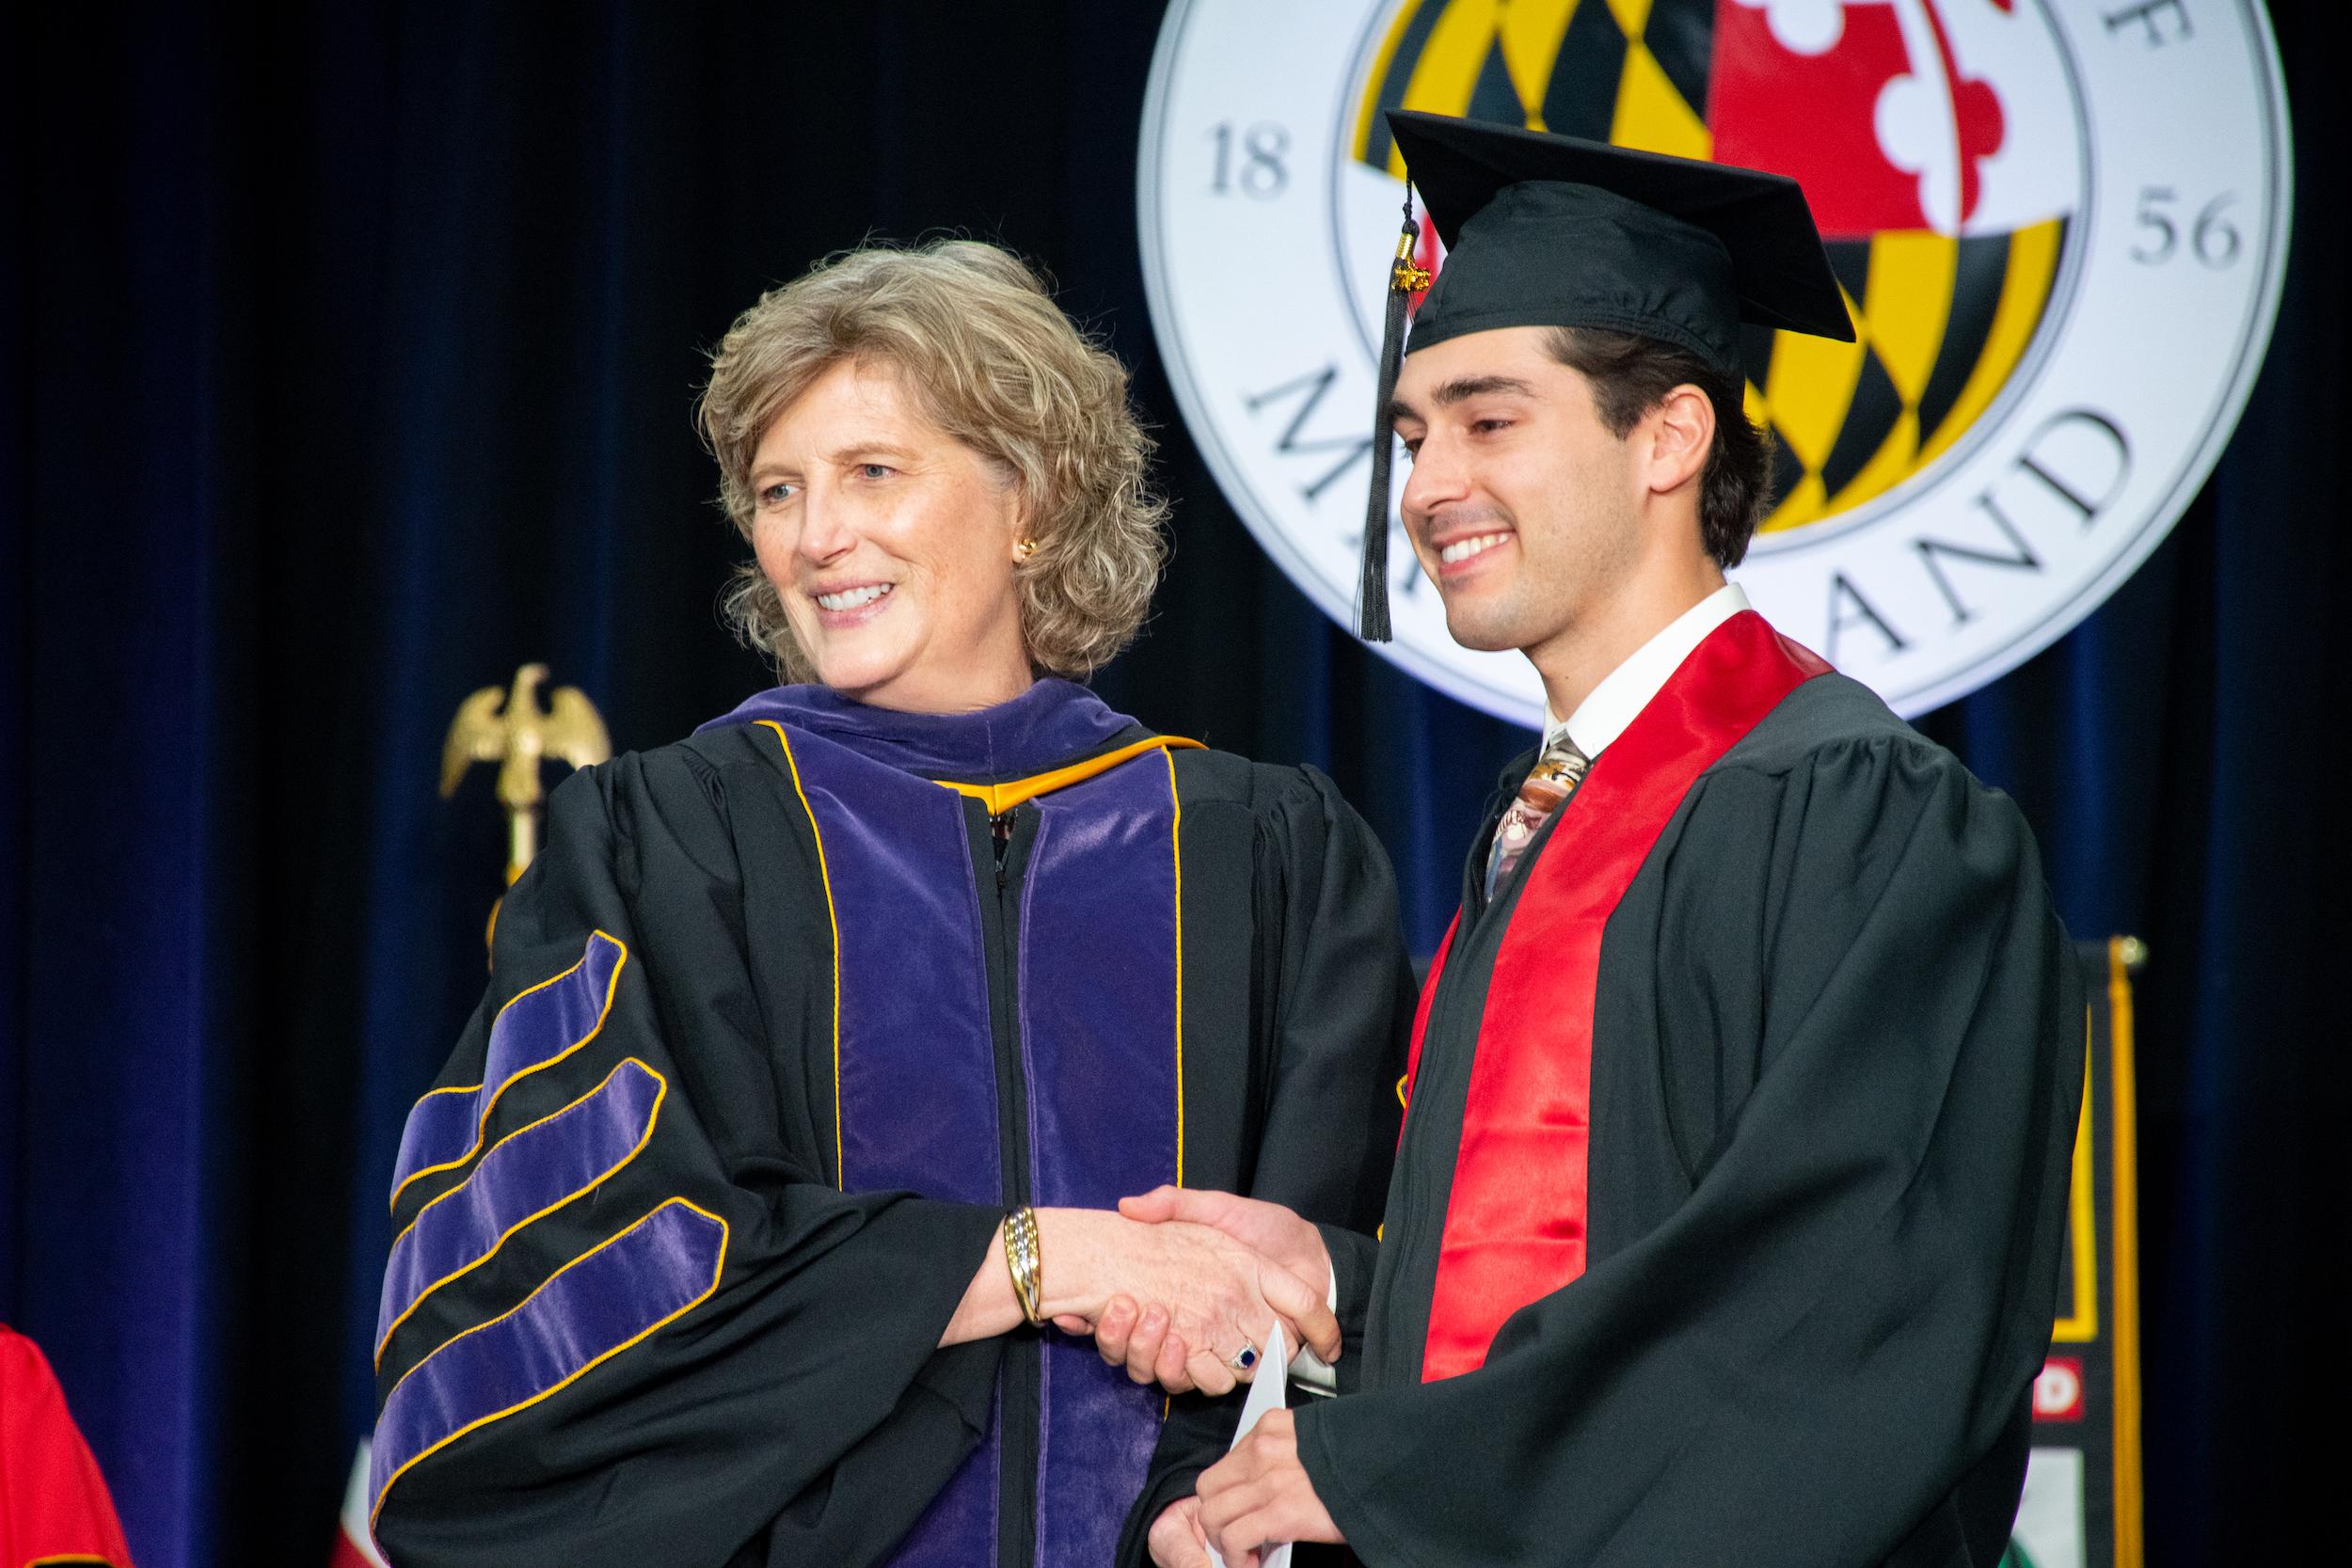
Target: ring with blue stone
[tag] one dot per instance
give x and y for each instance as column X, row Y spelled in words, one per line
column 1244, row 1358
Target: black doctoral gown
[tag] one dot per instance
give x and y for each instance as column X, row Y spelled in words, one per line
column 639, row 1314
column 1836, row 1042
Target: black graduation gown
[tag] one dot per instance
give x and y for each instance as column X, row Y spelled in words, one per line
column 796, row 1409
column 1837, row 1049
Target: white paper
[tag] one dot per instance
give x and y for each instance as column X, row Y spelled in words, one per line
column 1269, row 1393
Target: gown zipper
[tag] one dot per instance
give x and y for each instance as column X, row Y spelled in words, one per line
column 1000, row 848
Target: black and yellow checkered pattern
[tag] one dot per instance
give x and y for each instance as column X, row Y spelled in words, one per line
column 1942, row 323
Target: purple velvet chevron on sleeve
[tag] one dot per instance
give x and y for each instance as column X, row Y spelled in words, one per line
column 538, row 1029
column 594, row 1307
column 527, row 1174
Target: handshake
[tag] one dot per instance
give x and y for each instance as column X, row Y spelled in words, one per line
column 1180, row 1286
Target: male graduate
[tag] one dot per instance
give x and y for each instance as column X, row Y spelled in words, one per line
column 1726, row 1217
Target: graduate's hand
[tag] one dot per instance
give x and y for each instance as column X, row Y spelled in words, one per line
column 1259, row 1495
column 1176, row 1540
column 1267, row 1228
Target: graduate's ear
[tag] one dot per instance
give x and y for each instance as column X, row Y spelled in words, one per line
column 1671, row 443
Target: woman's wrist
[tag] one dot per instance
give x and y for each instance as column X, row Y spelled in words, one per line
column 990, row 1306
column 1074, row 1247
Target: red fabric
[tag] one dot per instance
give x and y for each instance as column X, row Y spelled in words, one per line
column 53, row 1500
column 1421, row 1021
column 1819, row 117
column 353, row 1547
column 1515, row 1225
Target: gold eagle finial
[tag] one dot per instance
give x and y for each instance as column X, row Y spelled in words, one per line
column 508, row 727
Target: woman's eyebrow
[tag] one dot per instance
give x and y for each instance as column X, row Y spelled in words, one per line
column 858, row 450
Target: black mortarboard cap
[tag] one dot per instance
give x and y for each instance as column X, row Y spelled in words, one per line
column 1545, row 230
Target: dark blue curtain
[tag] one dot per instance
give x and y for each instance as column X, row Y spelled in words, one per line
column 349, row 355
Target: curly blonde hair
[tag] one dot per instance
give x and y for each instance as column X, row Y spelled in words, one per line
column 994, row 363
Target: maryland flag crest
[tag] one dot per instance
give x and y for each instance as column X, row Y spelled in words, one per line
column 2060, row 232
column 1945, row 228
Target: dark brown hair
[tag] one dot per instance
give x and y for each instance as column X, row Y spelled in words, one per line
column 1631, row 375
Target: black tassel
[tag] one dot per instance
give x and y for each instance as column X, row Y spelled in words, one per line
column 1372, row 590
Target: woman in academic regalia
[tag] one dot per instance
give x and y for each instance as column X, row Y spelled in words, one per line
column 764, row 1209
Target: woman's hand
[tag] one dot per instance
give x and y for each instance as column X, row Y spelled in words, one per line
column 1210, row 1292
column 1137, row 1339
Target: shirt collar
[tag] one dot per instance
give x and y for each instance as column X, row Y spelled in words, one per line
column 1626, row 690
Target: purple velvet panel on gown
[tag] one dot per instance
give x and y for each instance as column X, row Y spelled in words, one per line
column 919, row 1070
column 1097, row 1022
column 1099, row 1042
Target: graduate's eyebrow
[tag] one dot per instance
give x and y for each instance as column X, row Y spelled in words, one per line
column 1461, row 389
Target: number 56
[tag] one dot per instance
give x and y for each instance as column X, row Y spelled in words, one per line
column 2212, row 237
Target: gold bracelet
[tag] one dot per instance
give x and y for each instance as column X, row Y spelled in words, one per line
column 1021, row 1256
column 1023, row 1259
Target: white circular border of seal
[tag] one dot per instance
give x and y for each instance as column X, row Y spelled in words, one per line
column 2138, row 376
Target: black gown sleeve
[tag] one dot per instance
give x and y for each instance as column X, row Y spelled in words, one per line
column 1805, row 1358
column 803, row 1396
column 1355, row 1254
column 1342, row 1005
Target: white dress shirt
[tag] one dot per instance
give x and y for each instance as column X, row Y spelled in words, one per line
column 1626, row 690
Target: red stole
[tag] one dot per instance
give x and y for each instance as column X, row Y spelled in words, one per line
column 1515, row 1225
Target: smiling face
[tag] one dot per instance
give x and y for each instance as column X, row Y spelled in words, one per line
column 1523, row 508
column 892, row 547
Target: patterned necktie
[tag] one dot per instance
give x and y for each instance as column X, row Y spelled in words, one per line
column 1557, row 772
